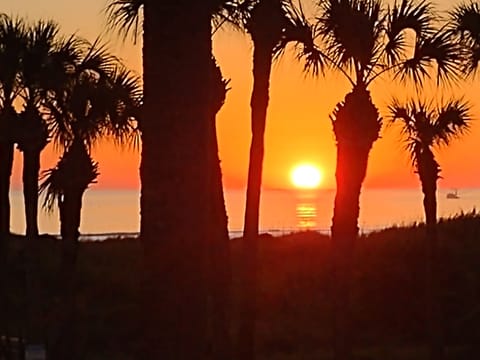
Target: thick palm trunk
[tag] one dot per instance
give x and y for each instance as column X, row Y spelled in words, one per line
column 174, row 177
column 262, row 63
column 356, row 126
column 219, row 273
column 351, row 169
column 6, row 163
column 220, row 263
column 70, row 215
column 429, row 175
column 31, row 169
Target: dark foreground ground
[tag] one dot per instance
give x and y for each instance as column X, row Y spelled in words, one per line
column 294, row 309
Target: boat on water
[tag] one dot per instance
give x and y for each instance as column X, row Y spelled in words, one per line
column 453, row 195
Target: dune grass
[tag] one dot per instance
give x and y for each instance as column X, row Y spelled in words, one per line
column 293, row 302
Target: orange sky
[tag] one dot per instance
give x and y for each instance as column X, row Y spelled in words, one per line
column 298, row 128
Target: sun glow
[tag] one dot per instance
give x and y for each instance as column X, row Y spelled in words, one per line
column 306, row 176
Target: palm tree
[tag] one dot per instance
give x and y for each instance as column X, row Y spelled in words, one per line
column 43, row 66
column 100, row 99
column 364, row 39
column 424, row 128
column 12, row 47
column 176, row 168
column 272, row 24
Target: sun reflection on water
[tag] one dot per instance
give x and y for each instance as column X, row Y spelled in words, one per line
column 306, row 210
column 306, row 215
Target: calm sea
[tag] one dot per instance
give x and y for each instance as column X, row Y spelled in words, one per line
column 109, row 211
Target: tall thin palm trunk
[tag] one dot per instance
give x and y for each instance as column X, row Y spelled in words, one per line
column 262, row 64
column 428, row 172
column 174, row 176
column 31, row 169
column 353, row 149
column 6, row 163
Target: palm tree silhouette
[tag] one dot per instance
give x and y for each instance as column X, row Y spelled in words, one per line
column 101, row 99
column 43, row 66
column 364, row 39
column 179, row 170
column 424, row 128
column 13, row 42
column 272, row 24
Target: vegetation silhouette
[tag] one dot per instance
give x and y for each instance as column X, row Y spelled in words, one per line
column 99, row 99
column 272, row 24
column 12, row 37
column 294, row 308
column 180, row 175
column 425, row 126
column 365, row 40
column 12, row 31
column 77, row 94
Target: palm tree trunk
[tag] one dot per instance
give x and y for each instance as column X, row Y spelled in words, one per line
column 220, row 274
column 70, row 216
column 356, row 125
column 262, row 64
column 433, row 299
column 6, row 163
column 351, row 170
column 31, row 169
column 175, row 177
column 219, row 269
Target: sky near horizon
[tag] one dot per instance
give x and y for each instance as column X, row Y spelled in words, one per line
column 298, row 125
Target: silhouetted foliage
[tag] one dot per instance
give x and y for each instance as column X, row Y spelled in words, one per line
column 425, row 126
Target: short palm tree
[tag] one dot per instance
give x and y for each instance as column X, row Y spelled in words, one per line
column 364, row 40
column 424, row 128
column 101, row 99
column 43, row 66
column 13, row 38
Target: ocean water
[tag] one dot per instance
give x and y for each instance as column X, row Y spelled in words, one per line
column 113, row 211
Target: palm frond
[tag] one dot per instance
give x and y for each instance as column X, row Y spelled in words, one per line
column 124, row 99
column 97, row 57
column 453, row 120
column 125, row 16
column 465, row 23
column 234, row 13
column 416, row 16
column 13, row 40
column 74, row 172
column 349, row 29
column 425, row 125
column 438, row 51
column 299, row 30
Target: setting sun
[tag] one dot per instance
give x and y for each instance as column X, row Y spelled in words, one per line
column 306, row 176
